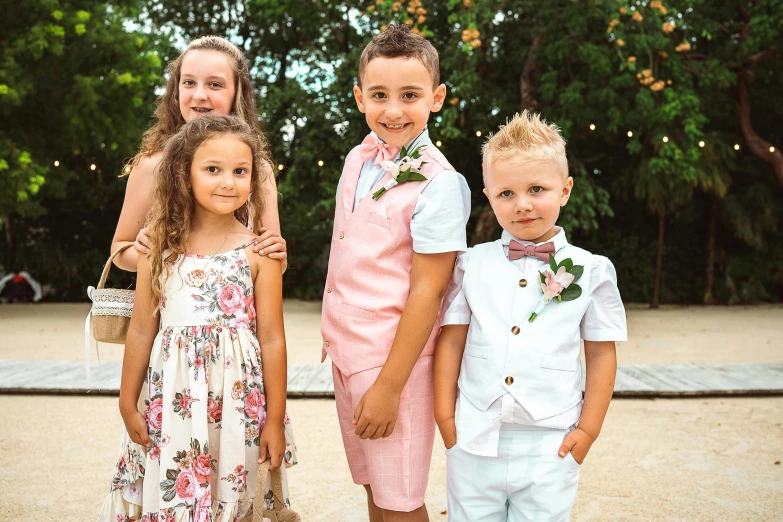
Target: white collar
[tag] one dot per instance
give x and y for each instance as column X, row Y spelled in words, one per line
column 422, row 139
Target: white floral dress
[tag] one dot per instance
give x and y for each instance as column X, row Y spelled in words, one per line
column 204, row 404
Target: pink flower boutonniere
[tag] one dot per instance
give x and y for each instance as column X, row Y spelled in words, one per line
column 558, row 280
column 407, row 169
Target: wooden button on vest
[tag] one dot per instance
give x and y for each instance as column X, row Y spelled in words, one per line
column 509, row 380
column 342, row 235
column 515, row 330
column 326, row 344
column 328, row 289
column 523, row 283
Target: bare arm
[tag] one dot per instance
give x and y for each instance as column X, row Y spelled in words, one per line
column 144, row 326
column 601, row 363
column 270, row 242
column 135, row 207
column 448, row 358
column 376, row 414
column 268, row 285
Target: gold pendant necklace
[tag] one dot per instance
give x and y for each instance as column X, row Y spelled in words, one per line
column 198, row 277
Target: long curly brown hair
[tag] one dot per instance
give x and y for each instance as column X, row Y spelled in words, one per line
column 173, row 203
column 168, row 117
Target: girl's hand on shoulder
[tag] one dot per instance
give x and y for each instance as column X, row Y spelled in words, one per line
column 136, row 426
column 272, row 442
column 142, row 243
column 578, row 443
column 271, row 244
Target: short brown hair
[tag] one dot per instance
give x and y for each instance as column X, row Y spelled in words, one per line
column 398, row 42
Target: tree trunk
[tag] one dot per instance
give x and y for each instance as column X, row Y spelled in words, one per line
column 708, row 297
column 9, row 238
column 659, row 262
column 485, row 226
column 756, row 144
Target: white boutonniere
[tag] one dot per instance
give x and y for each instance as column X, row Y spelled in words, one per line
column 558, row 280
column 406, row 169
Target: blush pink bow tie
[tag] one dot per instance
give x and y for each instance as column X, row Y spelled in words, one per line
column 517, row 250
column 372, row 147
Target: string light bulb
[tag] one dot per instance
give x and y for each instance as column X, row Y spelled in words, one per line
column 320, row 163
column 280, row 167
column 736, row 146
column 701, row 144
column 665, row 139
column 56, row 163
column 93, row 167
column 478, row 134
column 772, row 149
column 438, row 143
column 630, row 134
column 592, row 126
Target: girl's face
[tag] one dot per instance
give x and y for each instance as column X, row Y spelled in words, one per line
column 220, row 174
column 206, row 84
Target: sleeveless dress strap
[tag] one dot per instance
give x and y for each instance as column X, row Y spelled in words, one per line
column 252, row 241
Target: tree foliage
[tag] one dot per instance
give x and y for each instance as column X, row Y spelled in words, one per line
column 652, row 98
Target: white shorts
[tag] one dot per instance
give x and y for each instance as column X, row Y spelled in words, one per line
column 527, row 481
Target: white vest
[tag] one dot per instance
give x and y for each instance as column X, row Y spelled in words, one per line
column 539, row 366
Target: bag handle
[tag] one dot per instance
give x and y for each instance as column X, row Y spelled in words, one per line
column 106, row 268
column 281, row 513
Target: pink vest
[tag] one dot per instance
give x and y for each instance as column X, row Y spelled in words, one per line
column 370, row 264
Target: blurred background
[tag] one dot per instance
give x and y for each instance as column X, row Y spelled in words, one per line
column 672, row 112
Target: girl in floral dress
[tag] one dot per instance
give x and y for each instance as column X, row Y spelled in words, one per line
column 204, row 376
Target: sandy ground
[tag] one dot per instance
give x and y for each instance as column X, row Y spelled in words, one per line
column 686, row 459
column 672, row 334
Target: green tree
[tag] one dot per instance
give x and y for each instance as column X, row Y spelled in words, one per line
column 76, row 91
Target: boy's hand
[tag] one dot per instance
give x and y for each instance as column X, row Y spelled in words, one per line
column 136, row 426
column 376, row 414
column 272, row 442
column 578, row 443
column 448, row 430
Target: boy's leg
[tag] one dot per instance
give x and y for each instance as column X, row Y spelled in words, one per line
column 542, row 486
column 417, row 515
column 376, row 513
column 476, row 486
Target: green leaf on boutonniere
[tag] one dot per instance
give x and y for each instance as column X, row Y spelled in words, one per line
column 415, row 176
column 542, row 276
column 577, row 271
column 552, row 263
column 572, row 292
column 567, row 263
column 403, row 152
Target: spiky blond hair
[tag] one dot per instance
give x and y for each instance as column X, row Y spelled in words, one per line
column 527, row 137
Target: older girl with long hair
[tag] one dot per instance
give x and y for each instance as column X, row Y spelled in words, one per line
column 203, row 389
column 210, row 77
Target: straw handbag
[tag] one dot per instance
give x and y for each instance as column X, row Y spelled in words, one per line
column 280, row 513
column 110, row 314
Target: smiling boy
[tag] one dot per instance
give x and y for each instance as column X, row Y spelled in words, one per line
column 390, row 263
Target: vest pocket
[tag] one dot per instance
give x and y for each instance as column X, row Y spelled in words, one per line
column 477, row 350
column 563, row 364
column 377, row 219
column 354, row 311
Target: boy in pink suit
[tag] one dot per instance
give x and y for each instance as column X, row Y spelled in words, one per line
column 399, row 224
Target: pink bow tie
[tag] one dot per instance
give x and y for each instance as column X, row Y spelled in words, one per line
column 372, row 147
column 517, row 250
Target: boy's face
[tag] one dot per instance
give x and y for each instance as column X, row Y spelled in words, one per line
column 526, row 196
column 397, row 97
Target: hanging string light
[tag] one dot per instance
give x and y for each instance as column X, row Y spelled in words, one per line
column 320, row 163
column 701, row 144
column 666, row 139
column 56, row 163
column 280, row 167
column 93, row 166
column 592, row 126
column 772, row 149
column 478, row 134
column 630, row 134
column 736, row 146
column 438, row 143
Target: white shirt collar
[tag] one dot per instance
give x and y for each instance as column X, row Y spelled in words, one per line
column 559, row 239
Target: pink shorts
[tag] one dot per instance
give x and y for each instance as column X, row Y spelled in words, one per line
column 397, row 467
